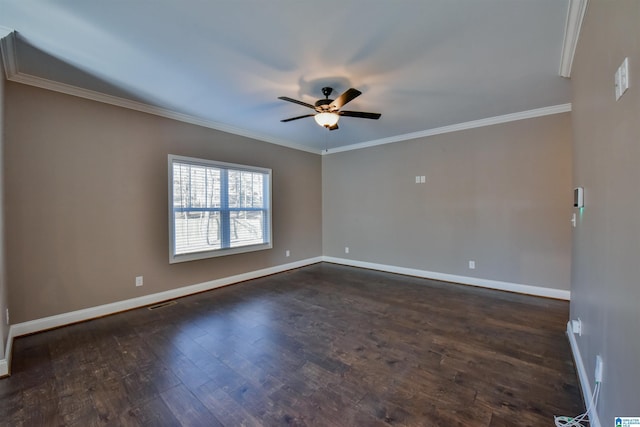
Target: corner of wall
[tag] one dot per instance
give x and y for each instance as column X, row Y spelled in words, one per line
column 587, row 393
column 4, row 333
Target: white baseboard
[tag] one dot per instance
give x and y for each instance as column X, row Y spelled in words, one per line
column 474, row 281
column 582, row 375
column 4, row 368
column 5, row 364
column 63, row 319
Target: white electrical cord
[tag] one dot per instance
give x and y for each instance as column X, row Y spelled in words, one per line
column 584, row 417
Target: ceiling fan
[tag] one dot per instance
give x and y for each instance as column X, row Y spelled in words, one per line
column 328, row 110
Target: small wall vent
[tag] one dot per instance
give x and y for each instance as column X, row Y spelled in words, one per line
column 161, row 305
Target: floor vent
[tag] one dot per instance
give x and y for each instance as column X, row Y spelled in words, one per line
column 161, row 305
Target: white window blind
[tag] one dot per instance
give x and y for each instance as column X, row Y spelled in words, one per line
column 217, row 208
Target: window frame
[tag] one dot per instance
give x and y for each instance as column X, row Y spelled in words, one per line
column 213, row 253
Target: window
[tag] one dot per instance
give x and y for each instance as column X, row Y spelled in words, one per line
column 217, row 209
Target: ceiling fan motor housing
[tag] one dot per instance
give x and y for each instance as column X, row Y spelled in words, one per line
column 325, row 103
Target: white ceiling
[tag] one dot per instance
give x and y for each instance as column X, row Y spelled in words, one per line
column 423, row 64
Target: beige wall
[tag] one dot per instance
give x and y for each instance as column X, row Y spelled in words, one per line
column 605, row 285
column 87, row 202
column 499, row 195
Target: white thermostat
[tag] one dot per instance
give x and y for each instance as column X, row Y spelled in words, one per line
column 578, row 197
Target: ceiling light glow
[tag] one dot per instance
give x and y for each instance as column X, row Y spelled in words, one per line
column 326, row 119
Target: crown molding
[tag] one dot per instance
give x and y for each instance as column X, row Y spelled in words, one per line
column 575, row 16
column 146, row 108
column 9, row 57
column 8, row 51
column 5, row 31
column 529, row 114
column 14, row 75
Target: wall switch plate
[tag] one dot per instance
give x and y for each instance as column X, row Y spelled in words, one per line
column 423, row 179
column 622, row 78
column 472, row 265
column 139, row 281
column 346, row 249
column 287, row 253
column 7, row 313
column 576, row 327
column 417, row 179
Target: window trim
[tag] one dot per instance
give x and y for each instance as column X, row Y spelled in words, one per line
column 192, row 256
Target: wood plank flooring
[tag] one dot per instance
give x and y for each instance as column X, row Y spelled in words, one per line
column 324, row 345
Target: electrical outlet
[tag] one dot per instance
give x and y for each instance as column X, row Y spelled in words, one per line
column 139, row 281
column 472, row 265
column 599, row 368
column 346, row 249
column 287, row 253
column 622, row 78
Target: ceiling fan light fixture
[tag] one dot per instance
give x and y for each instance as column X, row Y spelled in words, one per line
column 326, row 112
column 326, row 120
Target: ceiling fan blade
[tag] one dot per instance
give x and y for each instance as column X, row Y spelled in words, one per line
column 334, row 127
column 360, row 114
column 347, row 96
column 295, row 101
column 296, row 118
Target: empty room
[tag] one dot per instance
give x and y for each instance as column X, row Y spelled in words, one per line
column 337, row 213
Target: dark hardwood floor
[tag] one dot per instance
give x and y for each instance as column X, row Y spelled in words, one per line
column 323, row 345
